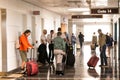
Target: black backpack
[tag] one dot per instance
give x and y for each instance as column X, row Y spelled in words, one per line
column 107, row 39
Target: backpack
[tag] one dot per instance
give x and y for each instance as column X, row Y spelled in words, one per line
column 17, row 44
column 107, row 39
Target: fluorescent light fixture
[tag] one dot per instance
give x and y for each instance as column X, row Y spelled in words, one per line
column 79, row 9
column 86, row 13
column 101, row 3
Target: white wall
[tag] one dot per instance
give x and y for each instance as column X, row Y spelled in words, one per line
column 13, row 27
column 19, row 18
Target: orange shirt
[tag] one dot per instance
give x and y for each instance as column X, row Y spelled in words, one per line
column 24, row 43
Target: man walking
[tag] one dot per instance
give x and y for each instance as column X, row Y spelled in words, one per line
column 81, row 39
column 50, row 38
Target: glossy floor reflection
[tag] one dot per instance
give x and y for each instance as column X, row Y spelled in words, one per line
column 80, row 71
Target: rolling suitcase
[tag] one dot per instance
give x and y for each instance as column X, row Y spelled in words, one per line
column 31, row 66
column 93, row 61
column 42, row 56
column 70, row 57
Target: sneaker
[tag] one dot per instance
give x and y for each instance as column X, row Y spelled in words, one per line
column 23, row 72
column 100, row 65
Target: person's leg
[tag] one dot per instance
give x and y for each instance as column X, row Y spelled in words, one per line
column 52, row 50
column 23, row 55
column 24, row 60
column 46, row 57
column 104, row 54
column 80, row 44
column 108, row 51
column 49, row 52
column 101, row 58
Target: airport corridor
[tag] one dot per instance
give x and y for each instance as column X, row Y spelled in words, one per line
column 80, row 71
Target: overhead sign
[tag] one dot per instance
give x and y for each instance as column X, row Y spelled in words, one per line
column 36, row 12
column 86, row 16
column 104, row 11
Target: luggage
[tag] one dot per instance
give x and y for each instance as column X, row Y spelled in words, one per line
column 93, row 61
column 70, row 57
column 31, row 66
column 42, row 56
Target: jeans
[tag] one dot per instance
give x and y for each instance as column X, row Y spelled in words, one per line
column 103, row 55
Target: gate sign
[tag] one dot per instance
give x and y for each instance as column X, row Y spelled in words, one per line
column 104, row 11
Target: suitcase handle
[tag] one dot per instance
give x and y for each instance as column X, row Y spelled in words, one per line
column 31, row 54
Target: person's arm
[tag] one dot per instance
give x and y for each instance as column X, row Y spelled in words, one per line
column 63, row 43
column 30, row 46
column 48, row 38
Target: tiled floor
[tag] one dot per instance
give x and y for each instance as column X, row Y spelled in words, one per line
column 80, row 71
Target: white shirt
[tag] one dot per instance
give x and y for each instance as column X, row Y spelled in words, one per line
column 43, row 39
column 50, row 38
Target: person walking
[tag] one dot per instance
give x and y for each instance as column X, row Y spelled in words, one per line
column 81, row 39
column 24, row 46
column 59, row 47
column 102, row 44
column 109, row 44
column 50, row 38
column 94, row 41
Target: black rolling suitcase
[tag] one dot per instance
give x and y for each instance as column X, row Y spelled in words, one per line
column 42, row 56
column 70, row 56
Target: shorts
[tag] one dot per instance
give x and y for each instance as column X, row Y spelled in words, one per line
column 23, row 55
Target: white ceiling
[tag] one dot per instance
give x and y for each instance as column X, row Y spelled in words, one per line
column 62, row 6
